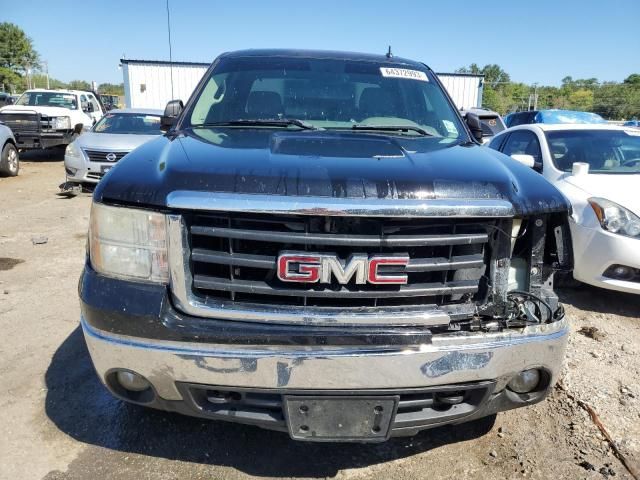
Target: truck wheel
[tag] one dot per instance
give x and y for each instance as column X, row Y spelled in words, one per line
column 9, row 161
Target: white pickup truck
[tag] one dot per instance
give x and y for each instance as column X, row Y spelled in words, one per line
column 50, row 118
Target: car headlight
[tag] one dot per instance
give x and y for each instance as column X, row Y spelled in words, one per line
column 73, row 150
column 62, row 123
column 614, row 218
column 128, row 243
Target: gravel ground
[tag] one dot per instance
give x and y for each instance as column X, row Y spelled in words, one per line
column 58, row 422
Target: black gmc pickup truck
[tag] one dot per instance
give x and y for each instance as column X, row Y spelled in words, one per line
column 320, row 245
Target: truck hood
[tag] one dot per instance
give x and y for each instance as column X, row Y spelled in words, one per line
column 323, row 164
column 112, row 141
column 619, row 188
column 49, row 111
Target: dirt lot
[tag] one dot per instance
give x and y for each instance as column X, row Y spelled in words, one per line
column 58, row 422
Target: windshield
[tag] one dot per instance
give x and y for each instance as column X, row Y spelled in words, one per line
column 606, row 151
column 48, row 99
column 132, row 123
column 325, row 93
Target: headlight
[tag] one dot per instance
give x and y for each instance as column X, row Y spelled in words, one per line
column 128, row 243
column 62, row 123
column 73, row 150
column 614, row 218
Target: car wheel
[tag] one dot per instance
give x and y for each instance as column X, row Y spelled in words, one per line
column 9, row 161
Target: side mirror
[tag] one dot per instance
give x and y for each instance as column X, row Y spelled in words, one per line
column 171, row 113
column 474, row 124
column 526, row 160
column 78, row 128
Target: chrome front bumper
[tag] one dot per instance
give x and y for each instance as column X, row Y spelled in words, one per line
column 448, row 359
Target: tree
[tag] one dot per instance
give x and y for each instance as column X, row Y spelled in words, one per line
column 79, row 85
column 39, row 80
column 633, row 79
column 111, row 89
column 494, row 75
column 16, row 49
column 10, row 80
column 581, row 99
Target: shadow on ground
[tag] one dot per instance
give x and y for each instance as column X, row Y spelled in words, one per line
column 50, row 155
column 80, row 406
column 599, row 300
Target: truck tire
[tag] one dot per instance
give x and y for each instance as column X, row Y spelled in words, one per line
column 9, row 160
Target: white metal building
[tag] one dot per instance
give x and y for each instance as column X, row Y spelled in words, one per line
column 147, row 83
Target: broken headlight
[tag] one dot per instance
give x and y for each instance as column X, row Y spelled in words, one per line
column 128, row 243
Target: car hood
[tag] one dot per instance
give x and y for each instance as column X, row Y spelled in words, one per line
column 49, row 111
column 112, row 141
column 323, row 164
column 619, row 188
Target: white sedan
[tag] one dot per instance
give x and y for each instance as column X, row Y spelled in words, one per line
column 597, row 167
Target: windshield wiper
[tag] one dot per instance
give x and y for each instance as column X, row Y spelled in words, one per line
column 259, row 122
column 393, row 128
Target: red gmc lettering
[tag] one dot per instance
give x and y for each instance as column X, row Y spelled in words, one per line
column 377, row 277
column 308, row 268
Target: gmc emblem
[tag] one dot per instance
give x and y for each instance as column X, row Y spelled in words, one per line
column 304, row 267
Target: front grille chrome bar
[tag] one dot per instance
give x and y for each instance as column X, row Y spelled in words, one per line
column 340, row 240
column 329, row 206
column 262, row 288
column 269, row 262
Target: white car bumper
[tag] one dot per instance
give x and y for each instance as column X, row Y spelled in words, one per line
column 595, row 250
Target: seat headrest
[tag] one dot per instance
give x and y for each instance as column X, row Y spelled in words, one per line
column 264, row 105
column 376, row 102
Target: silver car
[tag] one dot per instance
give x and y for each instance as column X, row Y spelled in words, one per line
column 92, row 154
column 9, row 161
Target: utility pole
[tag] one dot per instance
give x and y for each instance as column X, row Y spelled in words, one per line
column 535, row 96
column 46, row 70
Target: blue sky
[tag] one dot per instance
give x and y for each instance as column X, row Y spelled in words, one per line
column 534, row 41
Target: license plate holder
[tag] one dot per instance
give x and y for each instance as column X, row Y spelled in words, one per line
column 105, row 168
column 340, row 418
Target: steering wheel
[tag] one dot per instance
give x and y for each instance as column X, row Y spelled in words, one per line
column 631, row 161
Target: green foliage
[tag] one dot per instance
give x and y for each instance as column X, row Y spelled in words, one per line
column 39, row 80
column 614, row 101
column 17, row 55
column 12, row 81
column 79, row 85
column 111, row 89
column 16, row 49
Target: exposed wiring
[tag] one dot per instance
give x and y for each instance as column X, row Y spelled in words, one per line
column 536, row 300
column 507, row 234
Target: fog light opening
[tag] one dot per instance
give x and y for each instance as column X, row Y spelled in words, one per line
column 132, row 381
column 620, row 272
column 526, row 381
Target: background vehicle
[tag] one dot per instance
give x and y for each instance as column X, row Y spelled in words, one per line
column 491, row 121
column 605, row 225
column 5, row 99
column 50, row 118
column 551, row 116
column 318, row 246
column 92, row 154
column 110, row 102
column 9, row 160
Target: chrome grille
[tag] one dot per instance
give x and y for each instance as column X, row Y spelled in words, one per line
column 233, row 258
column 101, row 155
